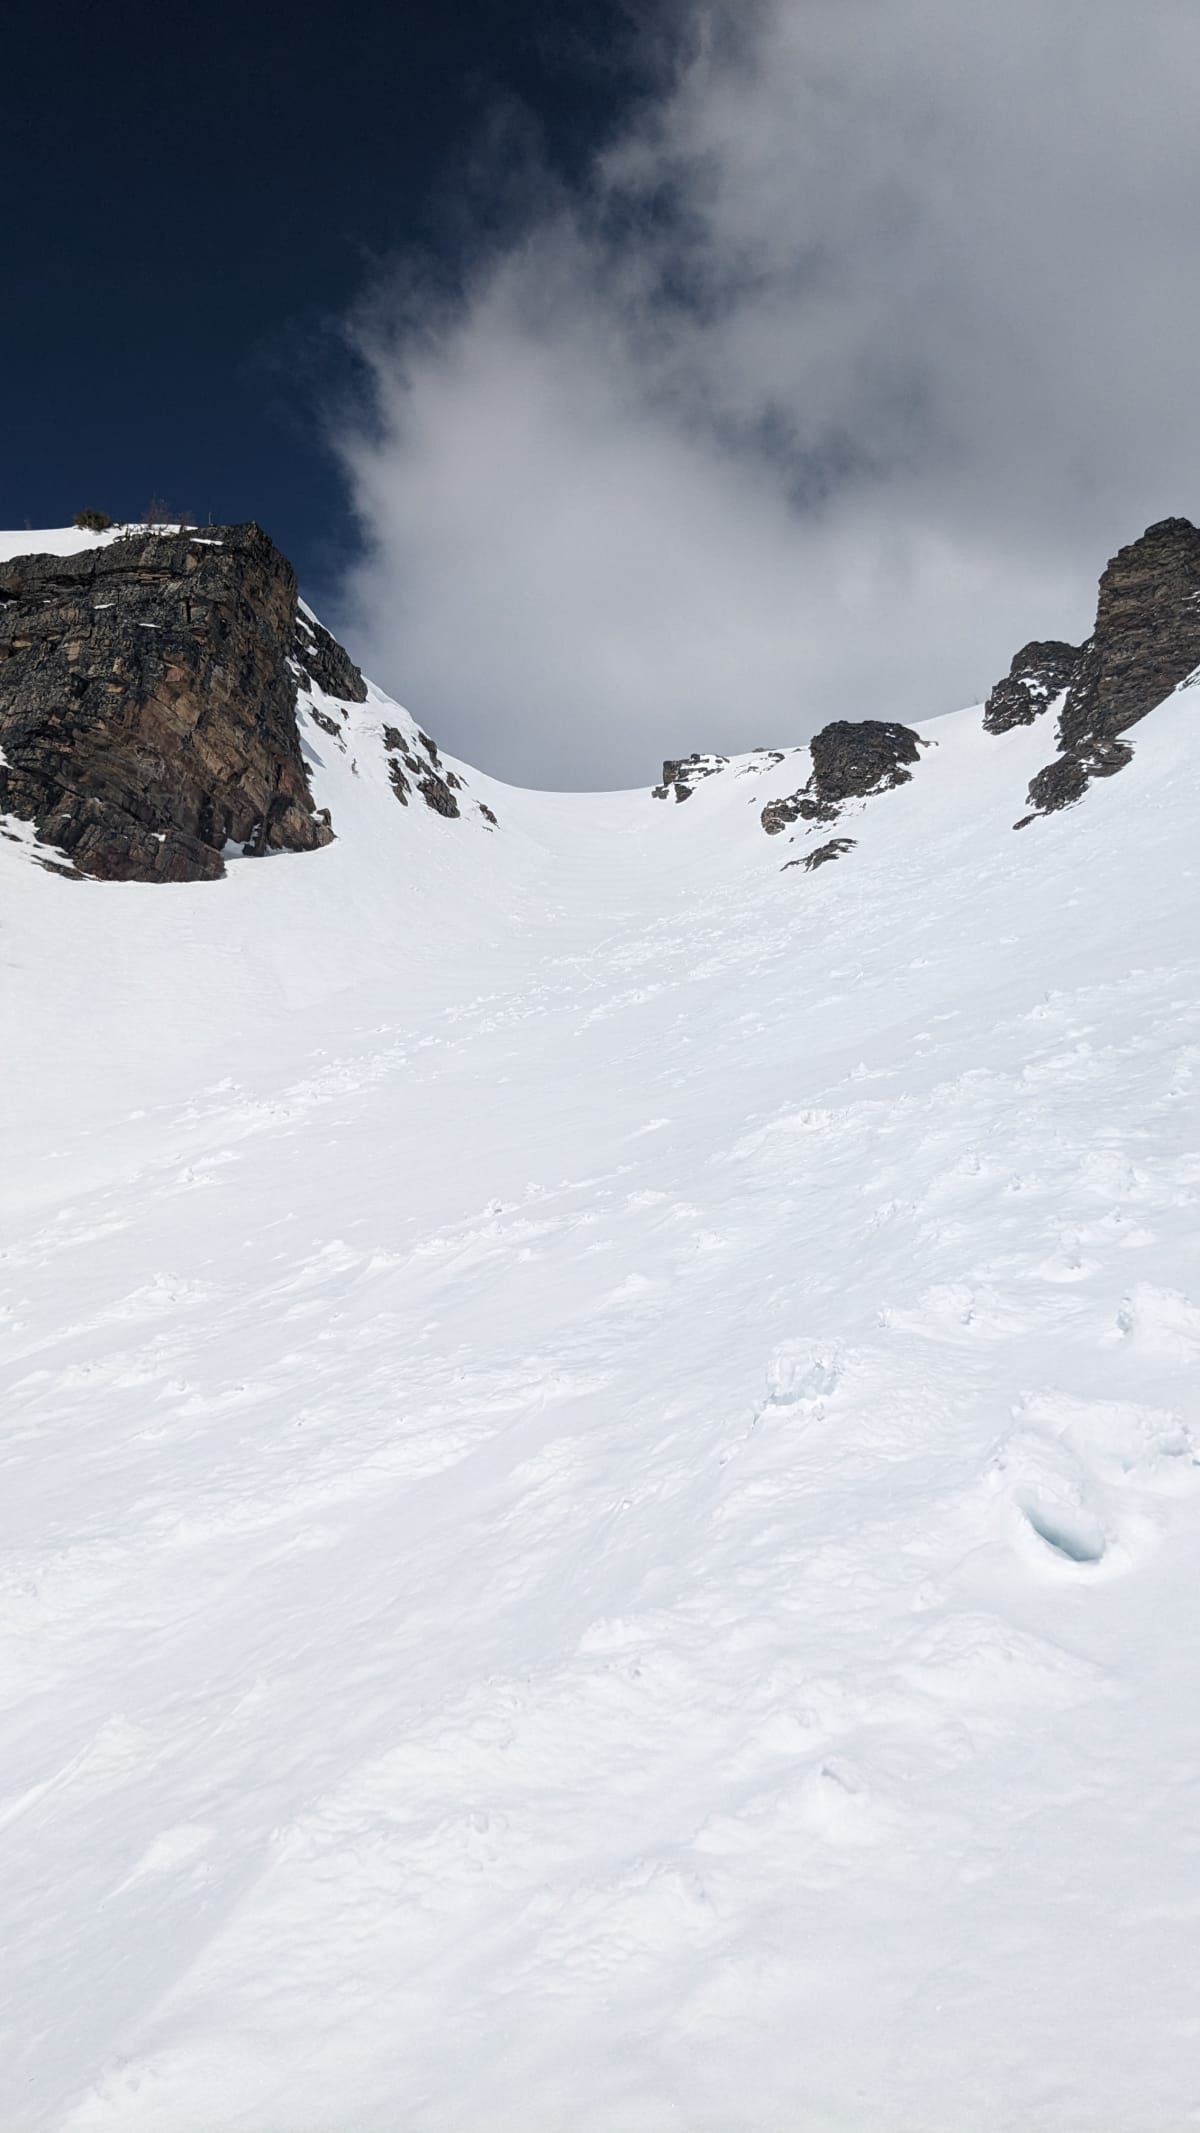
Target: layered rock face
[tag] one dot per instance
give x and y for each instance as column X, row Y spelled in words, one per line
column 851, row 759
column 1147, row 635
column 148, row 702
column 1146, row 641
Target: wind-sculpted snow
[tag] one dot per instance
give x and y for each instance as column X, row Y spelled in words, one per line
column 601, row 1507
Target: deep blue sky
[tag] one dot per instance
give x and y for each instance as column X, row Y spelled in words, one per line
column 194, row 195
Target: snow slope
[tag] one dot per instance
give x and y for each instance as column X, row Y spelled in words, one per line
column 600, row 1511
column 61, row 540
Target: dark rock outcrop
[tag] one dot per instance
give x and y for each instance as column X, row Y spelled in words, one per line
column 1039, row 673
column 825, row 852
column 851, row 759
column 1146, row 641
column 854, row 759
column 323, row 662
column 779, row 815
column 680, row 778
column 436, row 794
column 148, row 703
column 429, row 778
column 822, row 855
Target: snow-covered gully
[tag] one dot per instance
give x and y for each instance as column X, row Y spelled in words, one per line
column 600, row 1515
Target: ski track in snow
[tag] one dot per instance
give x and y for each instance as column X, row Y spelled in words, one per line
column 600, row 1483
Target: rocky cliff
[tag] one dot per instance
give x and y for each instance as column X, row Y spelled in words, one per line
column 148, row 702
column 1146, row 641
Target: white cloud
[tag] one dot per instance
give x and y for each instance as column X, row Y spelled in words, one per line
column 865, row 347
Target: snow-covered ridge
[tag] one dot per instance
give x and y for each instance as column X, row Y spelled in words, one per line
column 73, row 540
column 239, row 789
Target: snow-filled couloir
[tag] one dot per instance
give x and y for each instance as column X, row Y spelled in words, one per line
column 601, row 1517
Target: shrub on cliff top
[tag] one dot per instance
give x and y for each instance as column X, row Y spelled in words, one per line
column 92, row 521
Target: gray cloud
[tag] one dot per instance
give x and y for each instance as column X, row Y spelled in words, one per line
column 864, row 348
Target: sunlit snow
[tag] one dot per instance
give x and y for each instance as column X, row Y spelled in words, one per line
column 600, row 1512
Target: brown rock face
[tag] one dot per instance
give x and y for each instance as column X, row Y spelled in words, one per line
column 1146, row 641
column 148, row 703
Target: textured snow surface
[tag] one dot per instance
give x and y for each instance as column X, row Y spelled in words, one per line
column 600, row 1512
